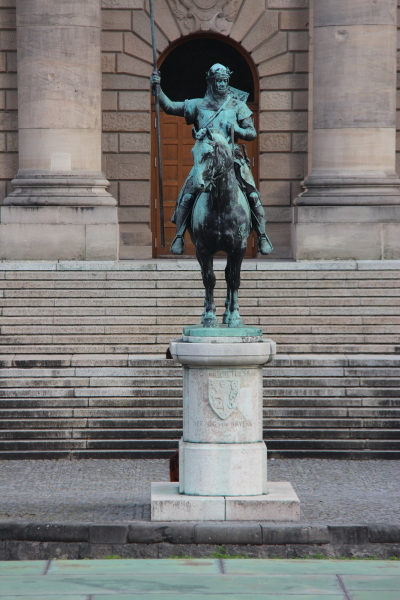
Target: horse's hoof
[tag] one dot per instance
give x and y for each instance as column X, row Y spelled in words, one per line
column 235, row 323
column 211, row 321
column 178, row 245
column 225, row 319
column 264, row 246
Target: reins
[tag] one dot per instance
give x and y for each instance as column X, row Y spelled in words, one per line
column 225, row 169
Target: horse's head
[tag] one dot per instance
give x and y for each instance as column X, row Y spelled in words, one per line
column 212, row 157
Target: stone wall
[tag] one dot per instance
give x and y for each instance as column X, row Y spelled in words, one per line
column 8, row 97
column 274, row 32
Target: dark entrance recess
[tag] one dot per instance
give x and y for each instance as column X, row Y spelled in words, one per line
column 183, row 67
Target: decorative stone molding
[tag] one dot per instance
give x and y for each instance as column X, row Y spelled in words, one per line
column 206, row 15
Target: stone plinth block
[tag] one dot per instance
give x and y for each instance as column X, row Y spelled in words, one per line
column 223, row 469
column 279, row 504
column 59, row 233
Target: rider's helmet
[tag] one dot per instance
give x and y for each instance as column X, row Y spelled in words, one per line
column 219, row 70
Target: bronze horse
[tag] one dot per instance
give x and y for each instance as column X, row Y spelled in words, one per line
column 220, row 221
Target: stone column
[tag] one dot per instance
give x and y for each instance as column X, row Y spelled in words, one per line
column 350, row 208
column 60, row 208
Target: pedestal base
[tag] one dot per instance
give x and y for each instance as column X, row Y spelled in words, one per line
column 280, row 503
column 59, row 233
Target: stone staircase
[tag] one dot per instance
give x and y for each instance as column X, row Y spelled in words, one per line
column 84, row 372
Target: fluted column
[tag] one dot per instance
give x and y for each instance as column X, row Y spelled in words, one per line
column 353, row 181
column 59, row 125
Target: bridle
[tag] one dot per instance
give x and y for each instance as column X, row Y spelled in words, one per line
column 226, row 166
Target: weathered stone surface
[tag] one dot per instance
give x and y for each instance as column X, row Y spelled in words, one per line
column 300, row 100
column 42, row 242
column 264, row 28
column 364, row 49
column 134, row 215
column 109, row 101
column 134, row 142
column 275, row 192
column 134, row 101
column 168, row 505
column 301, row 63
column 356, row 150
column 49, row 91
column 108, row 63
column 272, row 47
column 166, row 21
column 243, row 23
column 109, row 142
column 213, row 533
column 281, row 166
column 283, row 121
column 299, row 142
column 49, row 14
column 342, row 13
column 134, row 193
column 128, row 166
column 141, row 26
column 132, row 65
column 275, row 142
column 8, row 165
column 12, row 99
column 108, row 534
column 276, row 101
column 8, row 40
column 328, row 241
column 288, row 3
column 280, row 64
column 134, row 46
column 294, row 19
column 129, row 4
column 124, row 82
column 8, row 121
column 111, row 41
column 116, row 20
column 125, row 121
column 391, row 243
column 289, row 81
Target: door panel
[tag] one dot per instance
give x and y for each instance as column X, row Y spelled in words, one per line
column 176, row 146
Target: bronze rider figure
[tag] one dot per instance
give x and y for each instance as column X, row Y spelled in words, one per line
column 223, row 108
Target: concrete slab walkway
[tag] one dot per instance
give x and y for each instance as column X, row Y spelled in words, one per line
column 212, row 579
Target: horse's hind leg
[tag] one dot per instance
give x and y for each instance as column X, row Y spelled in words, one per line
column 208, row 318
column 232, row 316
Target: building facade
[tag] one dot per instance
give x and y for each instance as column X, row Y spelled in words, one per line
column 77, row 141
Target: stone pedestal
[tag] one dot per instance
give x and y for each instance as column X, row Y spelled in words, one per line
column 222, row 456
column 348, row 210
column 59, row 130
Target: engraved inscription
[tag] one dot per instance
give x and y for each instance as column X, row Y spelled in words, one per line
column 222, row 395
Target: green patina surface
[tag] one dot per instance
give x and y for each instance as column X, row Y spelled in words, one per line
column 221, row 331
column 198, row 579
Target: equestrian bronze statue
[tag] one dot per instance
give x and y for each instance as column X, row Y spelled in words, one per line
column 219, row 203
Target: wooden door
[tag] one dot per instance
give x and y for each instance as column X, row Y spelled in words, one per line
column 176, row 145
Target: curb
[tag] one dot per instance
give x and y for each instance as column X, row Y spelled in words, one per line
column 202, row 533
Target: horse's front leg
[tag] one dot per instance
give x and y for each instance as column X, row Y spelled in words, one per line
column 232, row 316
column 208, row 318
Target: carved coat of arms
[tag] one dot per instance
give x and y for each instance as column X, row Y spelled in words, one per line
column 206, row 15
column 222, row 395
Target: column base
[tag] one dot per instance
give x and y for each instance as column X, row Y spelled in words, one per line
column 280, row 503
column 346, row 232
column 59, row 233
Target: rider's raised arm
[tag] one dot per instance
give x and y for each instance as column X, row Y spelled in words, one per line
column 245, row 130
column 169, row 107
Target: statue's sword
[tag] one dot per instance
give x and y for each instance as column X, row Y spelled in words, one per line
column 156, row 92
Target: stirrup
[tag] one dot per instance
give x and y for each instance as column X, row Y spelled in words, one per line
column 178, row 245
column 264, row 245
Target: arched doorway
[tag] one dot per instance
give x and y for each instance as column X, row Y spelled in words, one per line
column 183, row 66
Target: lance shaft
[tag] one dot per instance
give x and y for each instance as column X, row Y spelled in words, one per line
column 156, row 92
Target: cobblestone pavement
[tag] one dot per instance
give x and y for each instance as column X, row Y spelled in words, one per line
column 330, row 491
